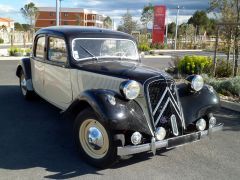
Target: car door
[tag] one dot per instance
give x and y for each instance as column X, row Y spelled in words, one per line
column 37, row 63
column 57, row 78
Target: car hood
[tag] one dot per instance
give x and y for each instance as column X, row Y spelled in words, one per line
column 124, row 69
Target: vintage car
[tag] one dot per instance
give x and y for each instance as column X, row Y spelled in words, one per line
column 120, row 106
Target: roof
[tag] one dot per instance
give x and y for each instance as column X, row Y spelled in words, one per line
column 53, row 9
column 6, row 20
column 84, row 32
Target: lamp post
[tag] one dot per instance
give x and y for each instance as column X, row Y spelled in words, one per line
column 57, row 12
column 176, row 33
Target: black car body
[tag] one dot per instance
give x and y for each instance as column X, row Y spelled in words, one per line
column 121, row 106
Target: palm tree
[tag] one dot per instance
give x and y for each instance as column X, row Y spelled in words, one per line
column 29, row 11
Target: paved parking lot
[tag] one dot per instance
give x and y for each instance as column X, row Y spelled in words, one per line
column 36, row 143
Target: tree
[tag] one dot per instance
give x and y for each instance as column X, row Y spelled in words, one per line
column 18, row 26
column 107, row 22
column 199, row 20
column 171, row 29
column 147, row 15
column 128, row 24
column 230, row 15
column 29, row 11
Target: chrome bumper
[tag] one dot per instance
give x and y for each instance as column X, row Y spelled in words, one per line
column 168, row 143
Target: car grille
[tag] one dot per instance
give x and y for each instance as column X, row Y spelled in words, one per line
column 163, row 104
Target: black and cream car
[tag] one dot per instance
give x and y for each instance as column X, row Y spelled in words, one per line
column 120, row 106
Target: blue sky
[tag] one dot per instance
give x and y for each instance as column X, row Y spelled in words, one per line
column 113, row 8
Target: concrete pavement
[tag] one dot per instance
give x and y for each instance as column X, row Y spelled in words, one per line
column 36, row 143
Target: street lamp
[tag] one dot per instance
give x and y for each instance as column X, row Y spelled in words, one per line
column 57, row 13
column 176, row 33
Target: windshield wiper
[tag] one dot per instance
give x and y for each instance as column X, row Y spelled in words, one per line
column 87, row 51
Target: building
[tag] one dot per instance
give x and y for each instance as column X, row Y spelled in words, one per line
column 8, row 23
column 46, row 16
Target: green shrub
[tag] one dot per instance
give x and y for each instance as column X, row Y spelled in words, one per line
column 223, row 69
column 14, row 51
column 1, row 41
column 229, row 86
column 143, row 47
column 194, row 64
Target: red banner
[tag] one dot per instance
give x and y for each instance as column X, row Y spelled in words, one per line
column 159, row 24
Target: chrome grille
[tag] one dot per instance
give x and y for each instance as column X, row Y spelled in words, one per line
column 163, row 103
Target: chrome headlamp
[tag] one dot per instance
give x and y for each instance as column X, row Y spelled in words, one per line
column 196, row 82
column 130, row 89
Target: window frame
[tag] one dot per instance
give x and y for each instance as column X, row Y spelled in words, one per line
column 35, row 48
column 57, row 63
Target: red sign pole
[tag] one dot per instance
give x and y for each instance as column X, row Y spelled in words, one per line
column 159, row 24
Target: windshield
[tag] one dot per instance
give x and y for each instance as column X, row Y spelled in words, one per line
column 87, row 48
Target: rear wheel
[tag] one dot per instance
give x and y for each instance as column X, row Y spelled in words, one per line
column 94, row 140
column 23, row 86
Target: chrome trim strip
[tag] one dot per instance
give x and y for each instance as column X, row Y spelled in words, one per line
column 127, row 150
column 160, row 115
column 160, row 101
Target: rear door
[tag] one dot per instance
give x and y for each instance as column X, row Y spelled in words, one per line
column 57, row 78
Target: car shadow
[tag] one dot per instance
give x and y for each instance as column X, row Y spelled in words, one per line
column 34, row 134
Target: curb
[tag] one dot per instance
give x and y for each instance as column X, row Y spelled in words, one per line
column 230, row 105
column 11, row 58
column 157, row 56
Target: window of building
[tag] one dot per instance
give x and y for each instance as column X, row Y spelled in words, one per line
column 57, row 50
column 65, row 14
column 52, row 22
column 40, row 45
column 65, row 23
column 51, row 13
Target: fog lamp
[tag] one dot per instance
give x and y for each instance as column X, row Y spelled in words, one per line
column 212, row 122
column 201, row 124
column 160, row 133
column 136, row 138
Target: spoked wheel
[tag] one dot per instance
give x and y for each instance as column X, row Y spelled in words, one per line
column 23, row 85
column 94, row 140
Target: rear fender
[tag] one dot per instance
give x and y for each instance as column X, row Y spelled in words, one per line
column 25, row 66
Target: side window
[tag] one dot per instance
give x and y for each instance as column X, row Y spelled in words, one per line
column 39, row 51
column 57, row 50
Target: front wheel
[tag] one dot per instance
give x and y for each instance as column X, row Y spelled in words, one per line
column 94, row 140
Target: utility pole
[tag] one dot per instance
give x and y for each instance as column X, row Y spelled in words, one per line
column 60, row 16
column 176, row 33
column 57, row 12
column 166, row 35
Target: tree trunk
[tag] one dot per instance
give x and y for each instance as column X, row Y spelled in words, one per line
column 236, row 43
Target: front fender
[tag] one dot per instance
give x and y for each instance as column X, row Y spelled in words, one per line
column 124, row 115
column 197, row 104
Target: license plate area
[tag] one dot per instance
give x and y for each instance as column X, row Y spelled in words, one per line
column 178, row 141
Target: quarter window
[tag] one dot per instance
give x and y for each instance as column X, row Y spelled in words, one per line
column 57, row 50
column 39, row 52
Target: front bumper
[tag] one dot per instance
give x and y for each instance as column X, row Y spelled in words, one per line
column 167, row 143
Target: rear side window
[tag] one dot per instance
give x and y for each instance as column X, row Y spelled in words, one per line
column 39, row 52
column 57, row 50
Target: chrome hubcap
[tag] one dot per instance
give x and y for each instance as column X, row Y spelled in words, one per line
column 94, row 138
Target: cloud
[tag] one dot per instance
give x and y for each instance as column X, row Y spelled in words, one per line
column 6, row 9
